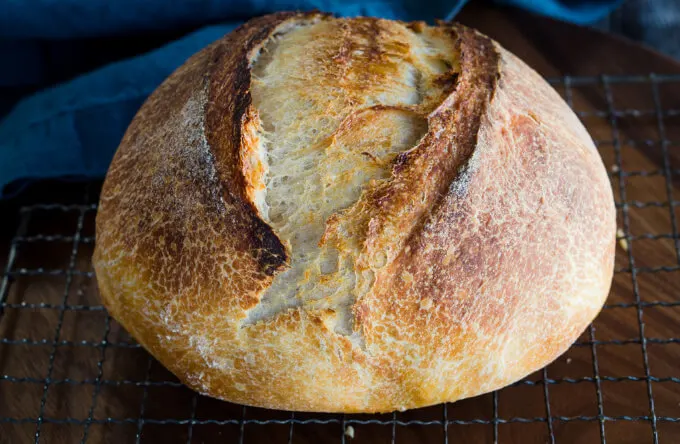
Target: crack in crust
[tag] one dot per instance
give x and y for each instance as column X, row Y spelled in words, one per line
column 327, row 136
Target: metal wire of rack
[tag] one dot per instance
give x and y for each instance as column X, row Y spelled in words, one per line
column 69, row 373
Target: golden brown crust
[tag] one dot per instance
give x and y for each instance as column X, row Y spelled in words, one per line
column 491, row 243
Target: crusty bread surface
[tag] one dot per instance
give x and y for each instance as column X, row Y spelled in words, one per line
column 354, row 215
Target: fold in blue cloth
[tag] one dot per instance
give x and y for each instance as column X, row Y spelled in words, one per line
column 72, row 129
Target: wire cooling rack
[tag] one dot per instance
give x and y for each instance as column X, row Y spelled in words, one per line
column 69, row 373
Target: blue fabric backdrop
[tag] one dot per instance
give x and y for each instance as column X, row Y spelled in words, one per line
column 72, row 129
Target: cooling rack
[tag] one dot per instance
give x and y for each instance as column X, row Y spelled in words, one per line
column 69, row 373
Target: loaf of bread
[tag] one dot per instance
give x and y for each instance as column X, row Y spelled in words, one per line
column 354, row 215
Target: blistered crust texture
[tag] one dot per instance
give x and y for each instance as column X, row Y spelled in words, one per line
column 354, row 215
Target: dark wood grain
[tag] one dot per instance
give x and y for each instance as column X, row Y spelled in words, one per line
column 554, row 49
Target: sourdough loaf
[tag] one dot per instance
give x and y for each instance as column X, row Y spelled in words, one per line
column 354, row 215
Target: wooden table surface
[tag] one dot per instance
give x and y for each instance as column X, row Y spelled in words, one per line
column 609, row 374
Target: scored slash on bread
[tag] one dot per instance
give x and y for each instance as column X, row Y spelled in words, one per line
column 354, row 215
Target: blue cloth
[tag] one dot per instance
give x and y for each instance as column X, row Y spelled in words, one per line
column 71, row 130
column 656, row 24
